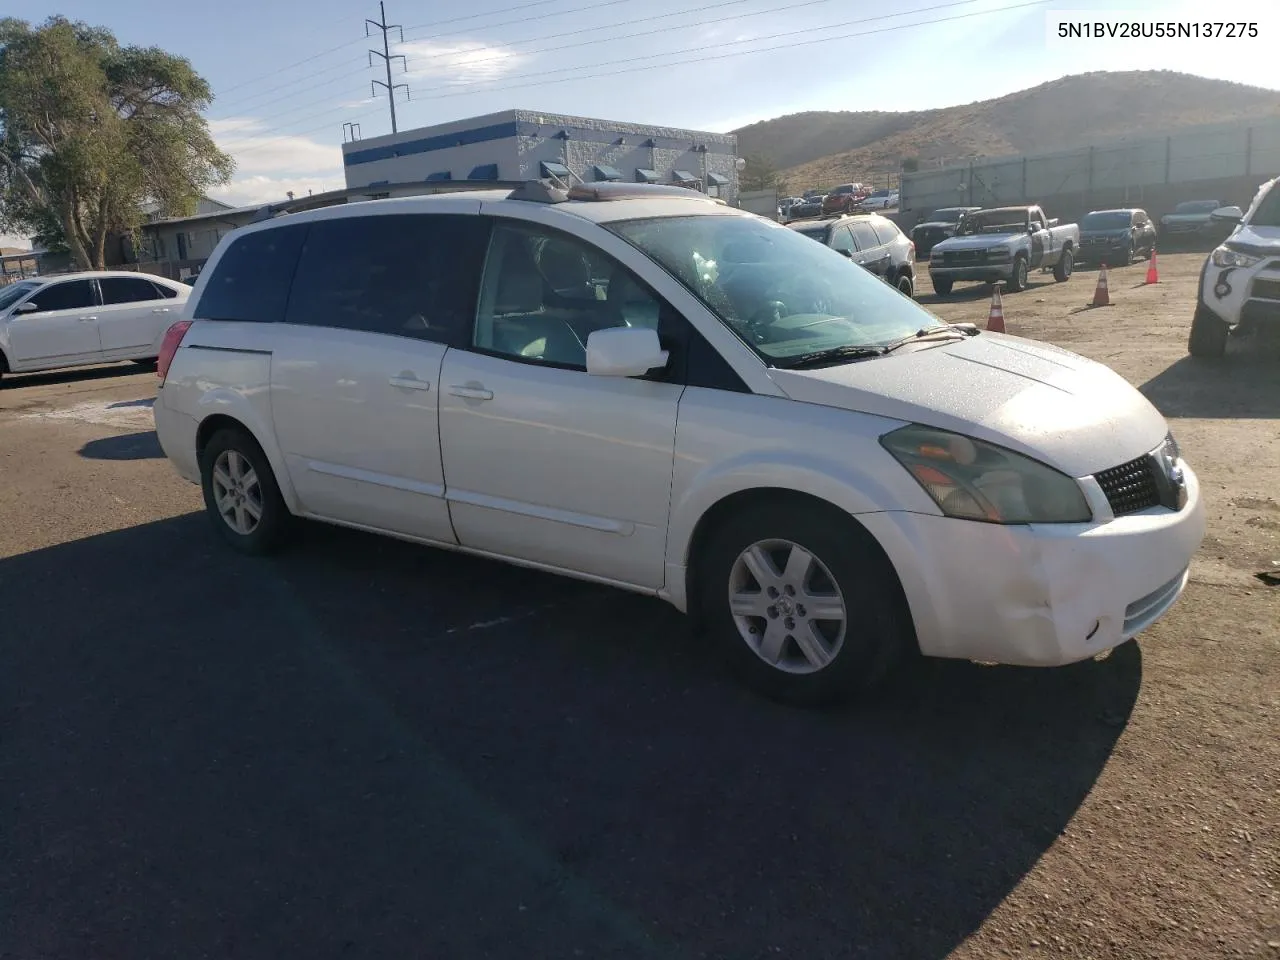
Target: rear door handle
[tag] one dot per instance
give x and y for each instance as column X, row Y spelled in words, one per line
column 86, row 319
column 160, row 310
column 471, row 393
column 410, row 383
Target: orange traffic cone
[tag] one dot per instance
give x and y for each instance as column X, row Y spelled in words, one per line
column 1101, row 296
column 995, row 319
column 1153, row 275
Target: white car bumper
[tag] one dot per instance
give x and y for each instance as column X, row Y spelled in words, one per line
column 1042, row 595
column 177, row 435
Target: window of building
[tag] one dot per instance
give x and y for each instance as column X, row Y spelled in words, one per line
column 604, row 172
column 407, row 275
column 251, row 279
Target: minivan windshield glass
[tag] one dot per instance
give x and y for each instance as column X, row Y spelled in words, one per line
column 14, row 292
column 780, row 292
column 1268, row 212
column 1106, row 220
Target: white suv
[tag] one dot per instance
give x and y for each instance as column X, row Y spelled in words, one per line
column 1240, row 280
column 638, row 386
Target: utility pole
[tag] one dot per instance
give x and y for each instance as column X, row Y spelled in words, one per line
column 387, row 57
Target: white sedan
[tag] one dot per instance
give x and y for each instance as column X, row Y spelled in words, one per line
column 635, row 385
column 77, row 319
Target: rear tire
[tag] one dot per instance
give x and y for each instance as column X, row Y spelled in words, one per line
column 1209, row 333
column 769, row 635
column 241, row 495
column 1062, row 270
column 943, row 287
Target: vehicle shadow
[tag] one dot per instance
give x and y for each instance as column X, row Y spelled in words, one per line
column 370, row 748
column 15, row 381
column 1243, row 384
column 129, row 446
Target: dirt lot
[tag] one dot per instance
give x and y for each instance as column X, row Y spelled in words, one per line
column 364, row 748
column 1176, row 852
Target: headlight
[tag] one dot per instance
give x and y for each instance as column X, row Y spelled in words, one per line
column 1000, row 253
column 1226, row 257
column 973, row 480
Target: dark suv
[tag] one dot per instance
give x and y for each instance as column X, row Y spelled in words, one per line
column 941, row 224
column 872, row 242
column 1115, row 237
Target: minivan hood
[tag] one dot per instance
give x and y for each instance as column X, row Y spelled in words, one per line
column 1065, row 410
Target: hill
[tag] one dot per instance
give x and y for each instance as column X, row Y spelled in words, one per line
column 826, row 148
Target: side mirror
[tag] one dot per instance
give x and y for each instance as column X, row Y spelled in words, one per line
column 1227, row 215
column 29, row 306
column 624, row 352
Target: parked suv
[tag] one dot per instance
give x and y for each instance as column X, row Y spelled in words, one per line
column 78, row 319
column 872, row 242
column 1240, row 281
column 634, row 385
column 941, row 224
column 1115, row 237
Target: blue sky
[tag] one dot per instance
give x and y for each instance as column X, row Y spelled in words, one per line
column 288, row 75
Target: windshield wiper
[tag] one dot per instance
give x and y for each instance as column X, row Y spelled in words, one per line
column 956, row 331
column 832, row 355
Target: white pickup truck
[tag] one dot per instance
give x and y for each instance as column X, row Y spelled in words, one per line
column 1240, row 280
column 1004, row 244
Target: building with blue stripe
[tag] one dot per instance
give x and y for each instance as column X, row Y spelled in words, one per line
column 526, row 145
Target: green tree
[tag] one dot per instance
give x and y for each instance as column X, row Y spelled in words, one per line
column 910, row 164
column 91, row 130
column 760, row 173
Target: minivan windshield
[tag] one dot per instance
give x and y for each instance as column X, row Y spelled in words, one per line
column 1268, row 212
column 16, row 291
column 781, row 293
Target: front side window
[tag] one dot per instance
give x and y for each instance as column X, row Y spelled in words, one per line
column 127, row 290
column 545, row 292
column 842, row 240
column 72, row 295
column 408, row 275
column 250, row 281
column 781, row 293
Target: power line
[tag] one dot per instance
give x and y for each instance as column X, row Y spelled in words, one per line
column 697, row 60
column 387, row 57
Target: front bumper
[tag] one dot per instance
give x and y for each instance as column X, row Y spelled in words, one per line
column 1039, row 595
column 1243, row 296
column 986, row 272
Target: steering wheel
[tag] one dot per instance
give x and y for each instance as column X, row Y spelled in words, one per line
column 768, row 314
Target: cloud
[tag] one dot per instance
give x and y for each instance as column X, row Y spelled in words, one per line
column 269, row 165
column 250, row 191
column 460, row 61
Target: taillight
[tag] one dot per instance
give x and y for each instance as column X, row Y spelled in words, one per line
column 169, row 346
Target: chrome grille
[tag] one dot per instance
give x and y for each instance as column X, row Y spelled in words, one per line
column 965, row 256
column 1131, row 486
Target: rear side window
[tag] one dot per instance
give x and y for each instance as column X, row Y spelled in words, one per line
column 251, row 280
column 407, row 275
column 167, row 292
column 127, row 290
column 865, row 236
column 885, row 230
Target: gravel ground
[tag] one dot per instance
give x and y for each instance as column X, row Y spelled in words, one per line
column 364, row 748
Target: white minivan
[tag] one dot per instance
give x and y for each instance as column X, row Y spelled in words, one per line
column 638, row 386
column 77, row 319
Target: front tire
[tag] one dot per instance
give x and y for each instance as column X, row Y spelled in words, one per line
column 1063, row 268
column 241, row 495
column 806, row 610
column 1209, row 333
column 1018, row 278
column 905, row 286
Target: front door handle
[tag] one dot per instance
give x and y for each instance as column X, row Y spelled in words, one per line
column 410, row 383
column 86, row 319
column 471, row 393
column 160, row 310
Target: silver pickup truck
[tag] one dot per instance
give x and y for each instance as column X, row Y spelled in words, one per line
column 1004, row 244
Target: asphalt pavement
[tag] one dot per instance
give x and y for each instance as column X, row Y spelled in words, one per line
column 366, row 748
